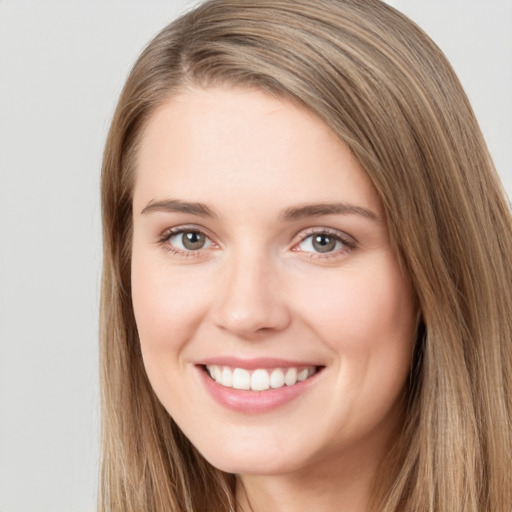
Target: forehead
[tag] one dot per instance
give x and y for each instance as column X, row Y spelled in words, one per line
column 243, row 145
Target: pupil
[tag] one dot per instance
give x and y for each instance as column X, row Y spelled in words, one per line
column 324, row 243
column 193, row 240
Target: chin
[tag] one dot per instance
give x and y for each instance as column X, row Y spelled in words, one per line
column 252, row 467
column 254, row 461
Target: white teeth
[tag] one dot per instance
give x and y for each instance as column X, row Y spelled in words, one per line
column 260, row 379
column 291, row 377
column 277, row 378
column 303, row 374
column 241, row 379
column 226, row 377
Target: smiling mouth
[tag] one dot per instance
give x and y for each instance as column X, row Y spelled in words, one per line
column 260, row 379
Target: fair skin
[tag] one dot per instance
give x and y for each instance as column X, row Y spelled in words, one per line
column 260, row 247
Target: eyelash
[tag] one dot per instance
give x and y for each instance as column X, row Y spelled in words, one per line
column 348, row 243
column 168, row 234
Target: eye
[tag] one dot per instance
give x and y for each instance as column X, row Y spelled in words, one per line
column 186, row 240
column 325, row 242
column 320, row 242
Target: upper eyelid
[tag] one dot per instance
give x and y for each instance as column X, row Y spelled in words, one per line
column 168, row 232
column 303, row 234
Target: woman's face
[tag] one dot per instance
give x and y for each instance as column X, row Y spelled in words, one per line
column 275, row 321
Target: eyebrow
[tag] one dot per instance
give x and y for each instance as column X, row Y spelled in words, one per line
column 292, row 213
column 317, row 210
column 175, row 205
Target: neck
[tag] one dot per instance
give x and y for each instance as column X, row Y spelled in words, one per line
column 292, row 494
column 331, row 486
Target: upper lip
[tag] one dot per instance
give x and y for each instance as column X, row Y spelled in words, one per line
column 254, row 363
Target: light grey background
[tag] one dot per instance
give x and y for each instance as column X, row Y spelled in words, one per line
column 62, row 64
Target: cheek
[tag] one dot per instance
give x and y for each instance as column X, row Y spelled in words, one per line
column 168, row 306
column 359, row 306
column 368, row 320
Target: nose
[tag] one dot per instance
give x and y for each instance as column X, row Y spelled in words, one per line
column 251, row 301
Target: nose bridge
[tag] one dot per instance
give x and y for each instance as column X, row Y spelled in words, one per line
column 251, row 301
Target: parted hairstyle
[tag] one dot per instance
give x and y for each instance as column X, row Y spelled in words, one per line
column 386, row 90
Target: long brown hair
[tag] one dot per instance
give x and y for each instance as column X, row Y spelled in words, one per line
column 386, row 90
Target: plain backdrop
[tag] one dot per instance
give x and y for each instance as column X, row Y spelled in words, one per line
column 62, row 65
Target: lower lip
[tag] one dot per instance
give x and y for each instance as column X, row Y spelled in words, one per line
column 254, row 402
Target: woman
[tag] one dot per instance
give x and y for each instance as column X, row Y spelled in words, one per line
column 306, row 289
